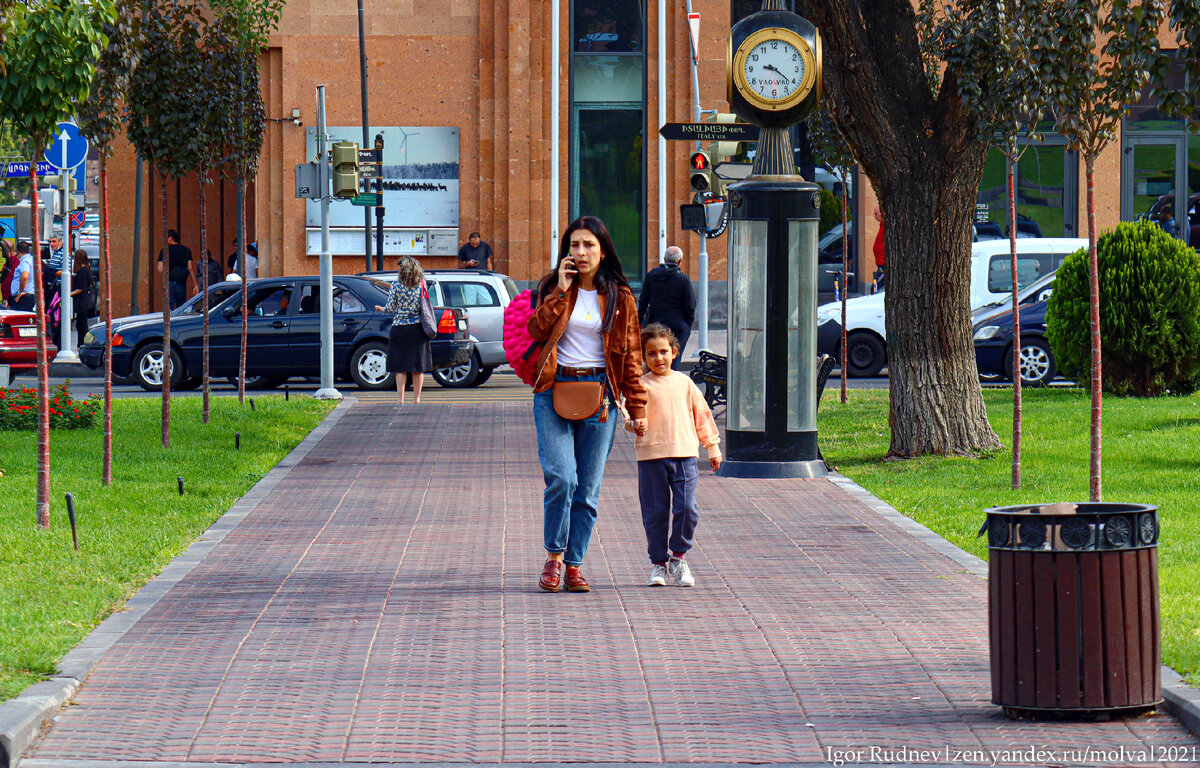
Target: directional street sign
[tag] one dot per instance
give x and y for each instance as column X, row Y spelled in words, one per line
column 371, row 199
column 76, row 147
column 369, row 155
column 20, row 169
column 709, row 132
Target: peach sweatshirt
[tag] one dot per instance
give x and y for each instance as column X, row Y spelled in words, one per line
column 677, row 418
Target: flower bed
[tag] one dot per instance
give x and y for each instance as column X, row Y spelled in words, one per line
column 19, row 409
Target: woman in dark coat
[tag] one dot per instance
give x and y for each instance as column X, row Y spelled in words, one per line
column 83, row 293
column 408, row 346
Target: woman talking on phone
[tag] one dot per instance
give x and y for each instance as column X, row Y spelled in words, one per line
column 587, row 321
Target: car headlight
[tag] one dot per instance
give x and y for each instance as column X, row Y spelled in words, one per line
column 987, row 332
column 89, row 338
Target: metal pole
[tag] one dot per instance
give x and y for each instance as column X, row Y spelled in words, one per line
column 137, row 238
column 66, row 329
column 555, row 55
column 702, row 261
column 327, row 390
column 662, row 120
column 379, row 212
column 366, row 126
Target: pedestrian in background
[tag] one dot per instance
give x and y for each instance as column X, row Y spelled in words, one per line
column 667, row 298
column 22, row 287
column 475, row 254
column 408, row 353
column 83, row 293
column 178, row 260
column 209, row 272
column 586, row 319
column 677, row 420
column 877, row 248
column 8, row 264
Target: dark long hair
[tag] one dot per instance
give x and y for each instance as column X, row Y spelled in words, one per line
column 610, row 277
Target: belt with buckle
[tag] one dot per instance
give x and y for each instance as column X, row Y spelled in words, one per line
column 565, row 371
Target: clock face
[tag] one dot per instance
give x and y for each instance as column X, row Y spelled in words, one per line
column 774, row 69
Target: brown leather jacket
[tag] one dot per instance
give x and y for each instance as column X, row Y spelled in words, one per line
column 622, row 345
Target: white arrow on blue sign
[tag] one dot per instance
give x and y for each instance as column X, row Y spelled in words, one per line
column 20, row 169
column 76, row 147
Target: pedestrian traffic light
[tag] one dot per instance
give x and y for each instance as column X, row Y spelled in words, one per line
column 701, row 170
column 345, row 169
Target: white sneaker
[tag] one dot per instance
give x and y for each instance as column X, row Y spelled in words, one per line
column 658, row 577
column 680, row 573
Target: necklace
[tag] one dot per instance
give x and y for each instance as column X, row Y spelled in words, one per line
column 588, row 310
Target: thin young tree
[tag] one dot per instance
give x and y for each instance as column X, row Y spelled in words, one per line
column 833, row 152
column 1108, row 56
column 51, row 52
column 161, row 113
column 99, row 118
column 250, row 24
column 1002, row 54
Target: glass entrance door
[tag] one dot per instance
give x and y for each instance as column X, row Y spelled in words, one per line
column 1153, row 178
column 607, row 177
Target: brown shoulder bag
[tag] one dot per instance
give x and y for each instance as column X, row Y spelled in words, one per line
column 579, row 400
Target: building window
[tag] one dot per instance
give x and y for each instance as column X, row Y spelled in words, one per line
column 608, row 122
column 1046, row 190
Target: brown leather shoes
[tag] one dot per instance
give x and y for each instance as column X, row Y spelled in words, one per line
column 551, row 578
column 575, row 581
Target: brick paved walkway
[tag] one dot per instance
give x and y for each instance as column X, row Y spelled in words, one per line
column 380, row 605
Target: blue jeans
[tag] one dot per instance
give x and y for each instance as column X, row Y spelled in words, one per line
column 178, row 293
column 573, row 455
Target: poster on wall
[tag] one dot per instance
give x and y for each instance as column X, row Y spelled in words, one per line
column 420, row 177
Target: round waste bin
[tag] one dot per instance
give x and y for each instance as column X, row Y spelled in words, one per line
column 1073, row 618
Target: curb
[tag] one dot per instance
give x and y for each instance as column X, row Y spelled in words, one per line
column 21, row 718
column 1179, row 698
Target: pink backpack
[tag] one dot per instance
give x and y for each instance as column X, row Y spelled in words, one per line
column 520, row 349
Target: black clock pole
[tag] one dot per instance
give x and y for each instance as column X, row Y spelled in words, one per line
column 770, row 417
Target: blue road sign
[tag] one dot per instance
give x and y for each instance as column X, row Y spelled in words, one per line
column 20, row 169
column 77, row 219
column 76, row 145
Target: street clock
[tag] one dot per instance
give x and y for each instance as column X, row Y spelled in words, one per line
column 773, row 68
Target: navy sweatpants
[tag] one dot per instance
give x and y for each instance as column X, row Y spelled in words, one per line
column 667, row 491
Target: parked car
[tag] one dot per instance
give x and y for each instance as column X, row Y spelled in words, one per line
column 991, row 280
column 992, row 329
column 484, row 295
column 18, row 341
column 283, row 336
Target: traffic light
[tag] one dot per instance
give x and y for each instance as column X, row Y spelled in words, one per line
column 720, row 151
column 701, row 170
column 345, row 169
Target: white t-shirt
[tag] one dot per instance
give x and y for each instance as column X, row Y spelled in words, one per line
column 582, row 344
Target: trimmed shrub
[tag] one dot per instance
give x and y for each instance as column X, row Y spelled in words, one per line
column 1149, row 312
column 18, row 409
column 831, row 211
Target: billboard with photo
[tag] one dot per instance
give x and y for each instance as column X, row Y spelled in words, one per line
column 420, row 177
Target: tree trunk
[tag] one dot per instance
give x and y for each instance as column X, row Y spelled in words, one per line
column 204, row 299
column 165, row 254
column 1094, row 463
column 1016, row 316
column 106, row 276
column 923, row 155
column 43, row 357
column 241, row 251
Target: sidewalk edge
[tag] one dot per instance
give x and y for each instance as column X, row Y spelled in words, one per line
column 1179, row 698
column 21, row 718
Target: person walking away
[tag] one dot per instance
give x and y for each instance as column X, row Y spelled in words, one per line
column 475, row 254
column 408, row 353
column 8, row 265
column 209, row 272
column 83, row 293
column 677, row 420
column 179, row 268
column 22, row 287
column 586, row 320
column 668, row 298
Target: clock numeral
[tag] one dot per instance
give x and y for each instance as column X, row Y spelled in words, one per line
column 795, row 57
column 754, row 57
column 774, row 44
column 774, row 92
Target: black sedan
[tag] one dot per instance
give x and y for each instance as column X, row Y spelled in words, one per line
column 283, row 336
column 994, row 345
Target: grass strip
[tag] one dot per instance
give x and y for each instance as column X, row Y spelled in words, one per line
column 1151, row 456
column 128, row 532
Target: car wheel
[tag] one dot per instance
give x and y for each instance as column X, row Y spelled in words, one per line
column 257, row 382
column 368, row 367
column 459, row 376
column 1037, row 362
column 485, row 374
column 865, row 354
column 148, row 368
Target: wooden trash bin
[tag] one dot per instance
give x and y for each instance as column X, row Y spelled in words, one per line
column 1073, row 617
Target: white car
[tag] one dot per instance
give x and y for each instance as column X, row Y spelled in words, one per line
column 991, row 280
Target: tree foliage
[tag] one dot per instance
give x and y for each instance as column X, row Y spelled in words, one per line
column 99, row 115
column 1149, row 309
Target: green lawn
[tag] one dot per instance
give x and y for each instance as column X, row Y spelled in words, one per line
column 1151, row 455
column 128, row 532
